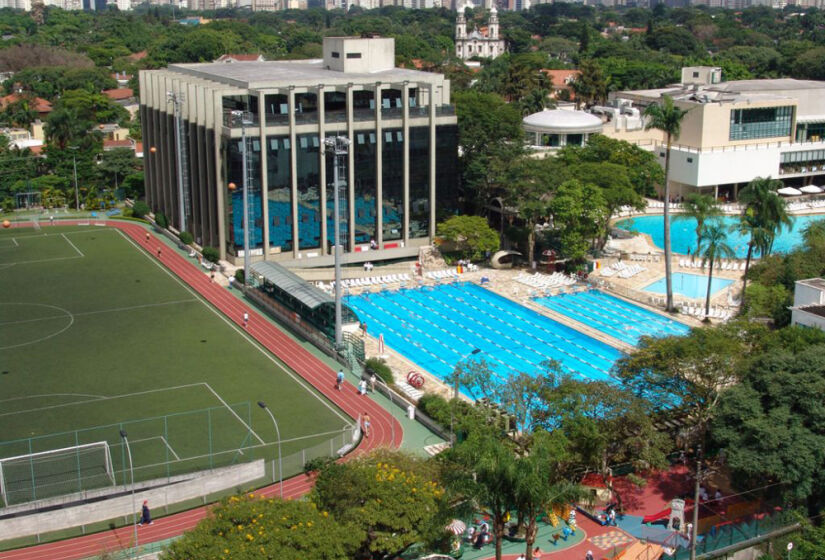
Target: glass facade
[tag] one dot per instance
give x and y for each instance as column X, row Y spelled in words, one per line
column 392, row 181
column 279, row 195
column 419, row 146
column 234, row 175
column 763, row 122
column 365, row 187
column 446, row 172
column 810, row 132
column 308, row 153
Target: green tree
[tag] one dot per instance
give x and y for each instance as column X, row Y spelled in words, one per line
column 712, row 245
column 769, row 210
column 389, row 499
column 771, row 424
column 578, row 212
column 64, row 126
column 249, row 527
column 750, row 225
column 700, row 207
column 470, row 234
column 666, row 117
column 116, row 164
column 591, row 86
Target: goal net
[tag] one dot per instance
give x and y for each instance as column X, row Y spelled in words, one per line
column 46, row 474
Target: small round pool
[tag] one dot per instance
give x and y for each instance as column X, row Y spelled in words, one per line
column 683, row 233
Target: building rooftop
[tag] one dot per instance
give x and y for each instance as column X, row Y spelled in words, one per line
column 780, row 84
column 562, row 121
column 818, row 283
column 292, row 72
column 818, row 310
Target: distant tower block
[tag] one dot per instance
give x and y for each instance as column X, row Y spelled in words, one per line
column 677, row 513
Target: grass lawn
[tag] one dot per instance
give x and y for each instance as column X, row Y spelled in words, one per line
column 95, row 336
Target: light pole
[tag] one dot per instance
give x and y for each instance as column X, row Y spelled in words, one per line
column 132, row 471
column 245, row 119
column 74, row 165
column 790, row 548
column 262, row 404
column 176, row 99
column 695, row 528
column 455, row 385
column 339, row 147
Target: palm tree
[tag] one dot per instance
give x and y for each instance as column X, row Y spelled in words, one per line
column 769, row 209
column 758, row 238
column 700, row 207
column 713, row 245
column 667, row 118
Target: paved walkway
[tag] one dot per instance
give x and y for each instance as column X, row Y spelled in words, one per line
column 386, row 430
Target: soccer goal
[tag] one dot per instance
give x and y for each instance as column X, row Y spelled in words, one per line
column 46, row 474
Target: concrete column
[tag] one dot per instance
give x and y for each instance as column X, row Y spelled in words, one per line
column 263, row 171
column 432, row 162
column 379, row 170
column 217, row 108
column 293, row 170
column 405, row 112
column 350, row 169
column 322, row 169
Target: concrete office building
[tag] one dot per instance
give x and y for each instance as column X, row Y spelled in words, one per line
column 736, row 131
column 401, row 163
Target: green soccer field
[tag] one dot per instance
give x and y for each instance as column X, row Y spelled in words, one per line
column 96, row 337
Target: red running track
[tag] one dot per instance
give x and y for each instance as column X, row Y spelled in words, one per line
column 314, row 371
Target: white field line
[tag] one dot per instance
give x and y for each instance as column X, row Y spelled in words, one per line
column 46, row 395
column 166, row 443
column 63, row 235
column 100, row 311
column 302, row 382
column 223, row 402
column 42, row 260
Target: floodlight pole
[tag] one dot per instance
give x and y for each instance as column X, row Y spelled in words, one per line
column 473, row 352
column 695, row 527
column 176, row 99
column 339, row 147
column 245, row 119
column 134, row 504
column 74, row 165
column 262, row 404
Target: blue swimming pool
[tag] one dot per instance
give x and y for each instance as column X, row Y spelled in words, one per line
column 436, row 326
column 613, row 316
column 683, row 233
column 689, row 285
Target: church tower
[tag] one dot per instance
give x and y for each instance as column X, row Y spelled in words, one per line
column 460, row 25
column 492, row 26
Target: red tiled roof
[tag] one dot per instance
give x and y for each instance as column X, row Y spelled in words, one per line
column 117, row 144
column 40, row 105
column 138, row 147
column 240, row 57
column 118, row 94
column 561, row 77
column 138, row 55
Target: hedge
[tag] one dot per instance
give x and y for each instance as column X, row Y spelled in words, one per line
column 379, row 368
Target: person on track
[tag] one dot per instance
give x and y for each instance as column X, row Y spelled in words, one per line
column 339, row 379
column 367, row 425
column 145, row 514
column 362, row 387
column 245, row 319
column 159, row 251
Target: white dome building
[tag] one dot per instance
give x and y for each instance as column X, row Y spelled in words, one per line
column 556, row 128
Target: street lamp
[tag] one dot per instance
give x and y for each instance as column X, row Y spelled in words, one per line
column 262, row 404
column 338, row 146
column 696, row 503
column 74, row 164
column 132, row 471
column 245, row 119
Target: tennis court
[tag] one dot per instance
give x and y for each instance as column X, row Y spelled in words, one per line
column 96, row 337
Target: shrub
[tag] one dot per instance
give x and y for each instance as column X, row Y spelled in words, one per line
column 140, row 209
column 161, row 220
column 186, row 238
column 317, row 464
column 240, row 276
column 211, row 254
column 379, row 368
column 435, row 406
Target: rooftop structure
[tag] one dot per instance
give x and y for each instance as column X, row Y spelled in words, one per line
column 557, row 128
column 809, row 303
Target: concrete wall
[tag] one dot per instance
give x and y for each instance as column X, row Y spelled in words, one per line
column 802, row 317
column 719, row 167
column 122, row 506
column 374, row 55
column 804, row 294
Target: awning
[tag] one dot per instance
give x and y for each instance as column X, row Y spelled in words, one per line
column 291, row 283
column 811, row 189
column 789, row 191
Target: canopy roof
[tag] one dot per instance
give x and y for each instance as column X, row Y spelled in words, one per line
column 288, row 281
column 561, row 121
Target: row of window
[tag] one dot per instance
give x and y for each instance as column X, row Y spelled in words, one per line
column 762, row 122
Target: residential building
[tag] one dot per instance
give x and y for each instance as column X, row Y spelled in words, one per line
column 562, row 82
column 736, row 131
column 40, row 105
column 401, row 162
column 809, row 303
column 477, row 43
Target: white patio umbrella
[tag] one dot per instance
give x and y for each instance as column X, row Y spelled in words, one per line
column 811, row 189
column 789, row 191
column 456, row 527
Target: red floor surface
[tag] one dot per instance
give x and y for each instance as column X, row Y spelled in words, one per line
column 293, row 355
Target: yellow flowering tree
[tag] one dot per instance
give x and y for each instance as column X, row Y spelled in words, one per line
column 248, row 527
column 392, row 499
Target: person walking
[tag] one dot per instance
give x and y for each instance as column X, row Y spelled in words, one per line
column 245, row 319
column 148, row 237
column 372, row 383
column 589, row 555
column 362, row 387
column 339, row 379
column 145, row 514
column 366, row 420
column 212, row 276
column 159, row 250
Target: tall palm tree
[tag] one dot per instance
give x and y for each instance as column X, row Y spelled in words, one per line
column 750, row 226
column 713, row 244
column 700, row 207
column 769, row 209
column 667, row 118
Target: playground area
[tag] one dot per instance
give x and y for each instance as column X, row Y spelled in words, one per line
column 97, row 338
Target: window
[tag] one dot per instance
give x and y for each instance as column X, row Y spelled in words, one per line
column 763, row 122
column 696, row 74
column 336, row 54
column 690, row 160
column 353, row 55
